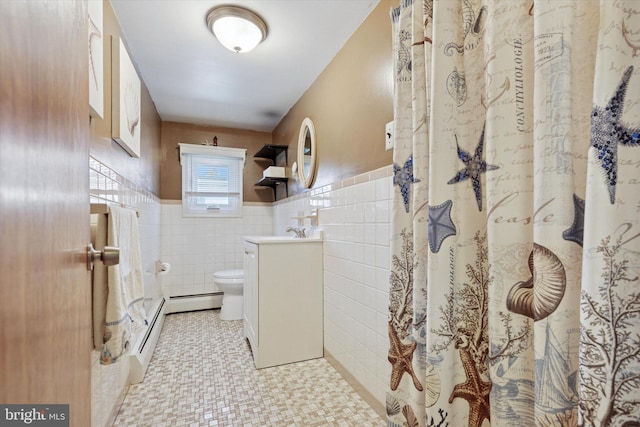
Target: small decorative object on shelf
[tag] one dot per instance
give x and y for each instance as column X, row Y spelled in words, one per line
column 213, row 143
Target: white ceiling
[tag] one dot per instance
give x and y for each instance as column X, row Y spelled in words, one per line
column 193, row 79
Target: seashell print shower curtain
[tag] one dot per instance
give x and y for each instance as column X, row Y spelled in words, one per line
column 515, row 271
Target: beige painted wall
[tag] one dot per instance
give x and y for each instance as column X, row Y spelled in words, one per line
column 143, row 171
column 170, row 172
column 349, row 103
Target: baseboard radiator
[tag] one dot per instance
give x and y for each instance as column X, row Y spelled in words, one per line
column 178, row 304
column 140, row 358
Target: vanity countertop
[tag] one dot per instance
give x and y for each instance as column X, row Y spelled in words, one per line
column 281, row 239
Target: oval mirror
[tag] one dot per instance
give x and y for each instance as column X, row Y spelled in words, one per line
column 307, row 153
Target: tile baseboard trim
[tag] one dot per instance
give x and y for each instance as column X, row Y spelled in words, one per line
column 355, row 384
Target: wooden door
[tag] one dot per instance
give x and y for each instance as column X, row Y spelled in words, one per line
column 45, row 309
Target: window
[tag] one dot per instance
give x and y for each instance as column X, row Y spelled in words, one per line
column 211, row 181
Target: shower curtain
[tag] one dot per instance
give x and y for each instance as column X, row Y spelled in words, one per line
column 514, row 287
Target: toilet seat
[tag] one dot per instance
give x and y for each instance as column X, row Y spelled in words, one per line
column 229, row 276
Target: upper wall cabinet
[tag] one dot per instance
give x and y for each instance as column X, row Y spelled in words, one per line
column 276, row 174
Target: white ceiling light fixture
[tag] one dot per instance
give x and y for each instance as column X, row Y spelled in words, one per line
column 236, row 28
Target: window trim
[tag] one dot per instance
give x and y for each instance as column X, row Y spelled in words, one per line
column 213, row 152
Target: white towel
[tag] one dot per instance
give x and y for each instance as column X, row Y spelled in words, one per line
column 125, row 317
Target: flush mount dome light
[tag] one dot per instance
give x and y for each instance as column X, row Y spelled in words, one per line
column 236, row 28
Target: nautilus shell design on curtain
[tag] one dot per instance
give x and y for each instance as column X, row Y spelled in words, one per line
column 541, row 294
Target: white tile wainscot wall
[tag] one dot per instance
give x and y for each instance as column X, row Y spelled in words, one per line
column 109, row 383
column 198, row 247
column 355, row 215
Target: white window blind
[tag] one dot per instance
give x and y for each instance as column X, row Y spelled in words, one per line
column 211, row 181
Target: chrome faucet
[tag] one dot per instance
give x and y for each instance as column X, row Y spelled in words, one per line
column 299, row 232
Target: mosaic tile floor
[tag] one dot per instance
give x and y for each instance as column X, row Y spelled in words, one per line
column 202, row 374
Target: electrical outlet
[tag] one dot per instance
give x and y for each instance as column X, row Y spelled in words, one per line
column 388, row 139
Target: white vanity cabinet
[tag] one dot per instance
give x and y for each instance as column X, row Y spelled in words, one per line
column 283, row 299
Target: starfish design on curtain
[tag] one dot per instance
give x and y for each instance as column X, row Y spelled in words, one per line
column 474, row 391
column 401, row 357
column 474, row 166
column 607, row 131
column 403, row 177
column 575, row 233
column 440, row 225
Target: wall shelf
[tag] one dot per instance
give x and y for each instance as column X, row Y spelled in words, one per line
column 312, row 217
column 273, row 183
column 273, row 153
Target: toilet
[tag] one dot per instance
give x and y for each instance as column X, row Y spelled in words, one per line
column 231, row 283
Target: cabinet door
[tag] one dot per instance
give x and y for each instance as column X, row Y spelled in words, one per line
column 250, row 295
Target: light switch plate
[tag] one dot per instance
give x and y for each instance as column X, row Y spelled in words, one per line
column 388, row 137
